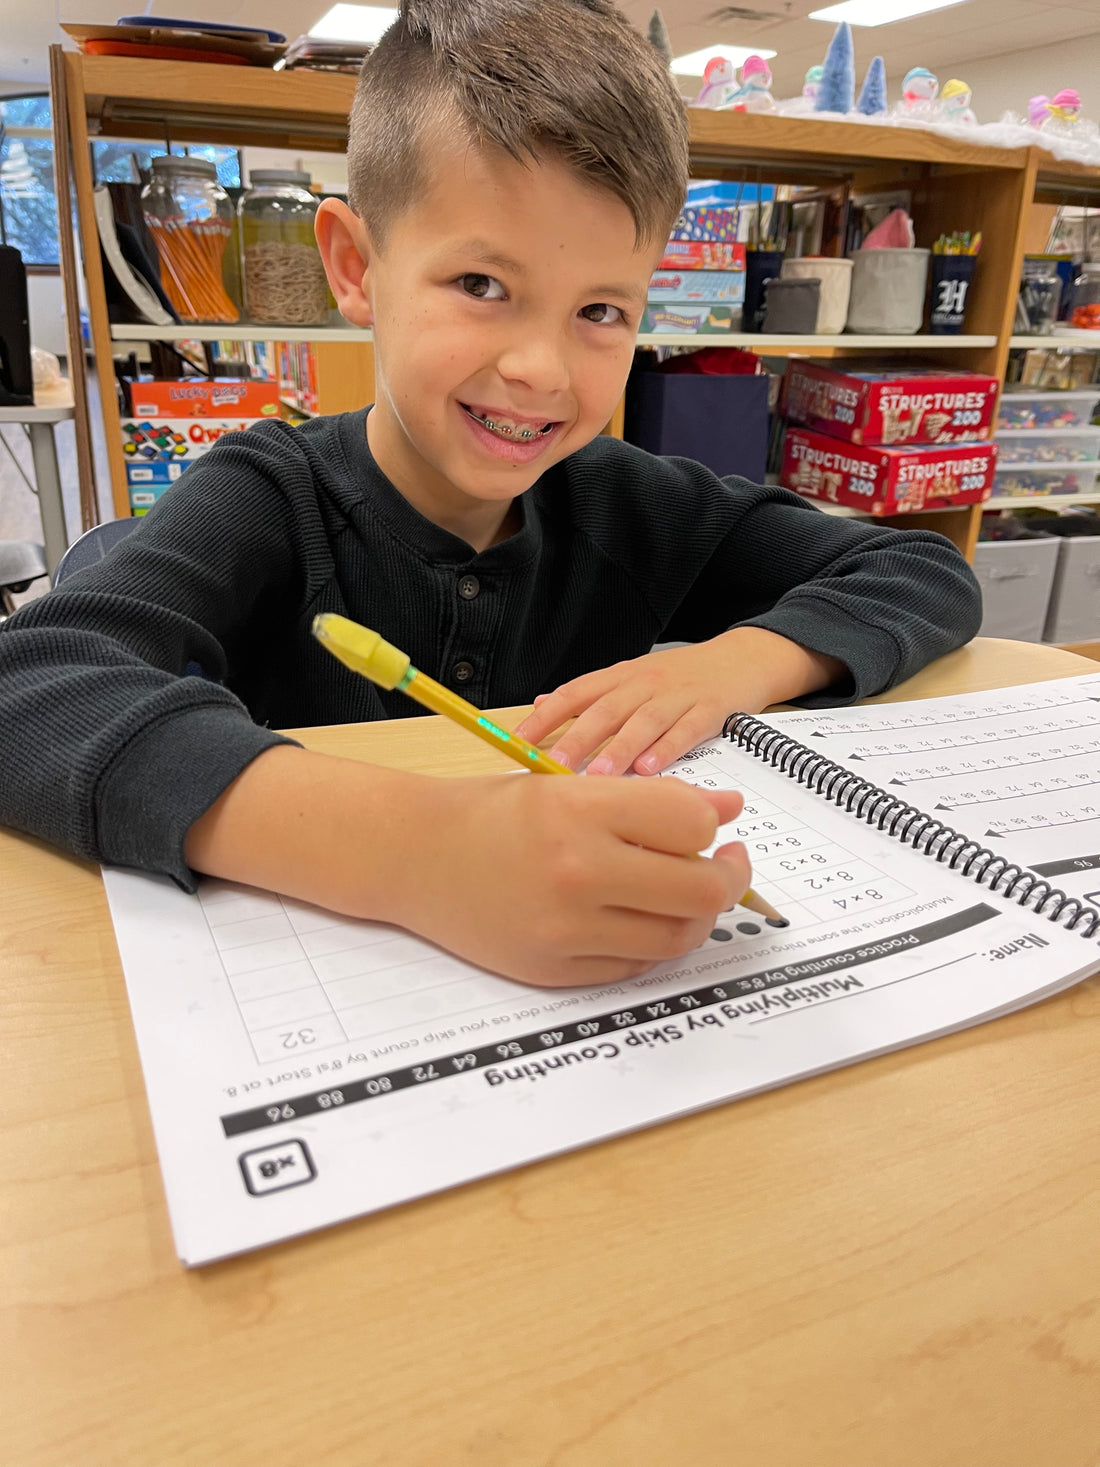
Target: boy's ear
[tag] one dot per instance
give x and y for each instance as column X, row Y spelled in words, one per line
column 345, row 247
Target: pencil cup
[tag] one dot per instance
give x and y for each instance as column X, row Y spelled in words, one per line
column 836, row 285
column 888, row 291
column 951, row 277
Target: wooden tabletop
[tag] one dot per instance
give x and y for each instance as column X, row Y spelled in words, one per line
column 893, row 1265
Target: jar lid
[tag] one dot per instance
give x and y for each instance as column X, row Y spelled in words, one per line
column 172, row 164
column 278, row 175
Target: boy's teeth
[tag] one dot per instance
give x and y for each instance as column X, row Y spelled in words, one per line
column 507, row 428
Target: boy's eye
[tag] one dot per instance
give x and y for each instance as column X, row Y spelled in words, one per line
column 601, row 314
column 483, row 287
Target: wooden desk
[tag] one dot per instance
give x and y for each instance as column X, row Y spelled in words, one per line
column 894, row 1265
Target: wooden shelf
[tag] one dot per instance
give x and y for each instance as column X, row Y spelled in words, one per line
column 849, row 511
column 1066, row 337
column 779, row 345
column 1041, row 501
column 237, row 332
column 831, row 148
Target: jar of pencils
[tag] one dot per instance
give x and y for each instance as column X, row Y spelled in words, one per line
column 190, row 217
column 284, row 279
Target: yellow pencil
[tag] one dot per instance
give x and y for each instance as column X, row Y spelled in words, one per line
column 365, row 652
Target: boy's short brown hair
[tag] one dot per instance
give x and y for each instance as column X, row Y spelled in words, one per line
column 567, row 79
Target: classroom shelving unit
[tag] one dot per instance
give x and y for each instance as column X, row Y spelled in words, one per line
column 955, row 185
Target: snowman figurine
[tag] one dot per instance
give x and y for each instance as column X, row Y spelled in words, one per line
column 754, row 93
column 719, row 81
column 918, row 94
column 955, row 102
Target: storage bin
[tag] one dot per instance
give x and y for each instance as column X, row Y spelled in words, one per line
column 836, row 286
column 791, row 307
column 1074, row 611
column 1022, row 408
column 721, row 422
column 1021, row 481
column 1032, row 446
column 1016, row 577
column 888, row 291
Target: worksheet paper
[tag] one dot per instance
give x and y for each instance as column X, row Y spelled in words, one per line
column 1016, row 770
column 304, row 1068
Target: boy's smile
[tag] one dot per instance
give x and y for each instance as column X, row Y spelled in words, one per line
column 505, row 303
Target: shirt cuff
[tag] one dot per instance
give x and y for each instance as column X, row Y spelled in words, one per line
column 165, row 778
column 871, row 654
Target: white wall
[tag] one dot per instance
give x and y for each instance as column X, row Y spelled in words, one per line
column 1004, row 83
column 46, row 299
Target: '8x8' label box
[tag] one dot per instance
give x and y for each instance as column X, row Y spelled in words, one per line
column 886, row 480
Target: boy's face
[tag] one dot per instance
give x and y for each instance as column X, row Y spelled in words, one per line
column 507, row 295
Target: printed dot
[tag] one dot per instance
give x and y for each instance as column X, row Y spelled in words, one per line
column 721, row 935
column 750, row 929
column 777, row 921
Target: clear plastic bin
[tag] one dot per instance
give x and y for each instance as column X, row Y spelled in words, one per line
column 1024, row 481
column 1046, row 411
column 1029, row 446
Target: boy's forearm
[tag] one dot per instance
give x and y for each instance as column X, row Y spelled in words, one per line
column 768, row 668
column 325, row 830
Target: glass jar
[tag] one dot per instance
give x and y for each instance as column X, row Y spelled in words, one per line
column 1085, row 311
column 190, row 217
column 284, row 279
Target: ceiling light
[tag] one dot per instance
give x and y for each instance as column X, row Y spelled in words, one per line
column 695, row 62
column 876, row 12
column 353, row 23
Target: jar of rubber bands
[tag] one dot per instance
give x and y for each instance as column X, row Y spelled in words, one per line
column 284, row 279
column 190, row 217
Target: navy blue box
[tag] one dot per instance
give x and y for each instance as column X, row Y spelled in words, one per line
column 721, row 422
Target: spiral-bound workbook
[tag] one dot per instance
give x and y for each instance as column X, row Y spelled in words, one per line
column 937, row 864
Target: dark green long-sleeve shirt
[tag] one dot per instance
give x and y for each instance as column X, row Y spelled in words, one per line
column 108, row 750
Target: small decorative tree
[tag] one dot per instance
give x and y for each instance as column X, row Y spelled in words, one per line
column 872, row 94
column 658, row 37
column 838, row 77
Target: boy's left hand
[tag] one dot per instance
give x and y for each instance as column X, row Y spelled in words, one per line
column 655, row 708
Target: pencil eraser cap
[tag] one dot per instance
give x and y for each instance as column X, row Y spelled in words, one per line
column 360, row 649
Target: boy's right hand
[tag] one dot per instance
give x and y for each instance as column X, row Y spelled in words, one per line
column 559, row 882
column 553, row 881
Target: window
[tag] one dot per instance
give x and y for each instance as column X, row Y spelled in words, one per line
column 28, row 201
column 28, row 204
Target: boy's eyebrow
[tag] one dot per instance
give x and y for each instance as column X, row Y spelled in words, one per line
column 487, row 254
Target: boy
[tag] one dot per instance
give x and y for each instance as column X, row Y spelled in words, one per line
column 514, row 171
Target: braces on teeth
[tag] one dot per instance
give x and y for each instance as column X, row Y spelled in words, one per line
column 522, row 433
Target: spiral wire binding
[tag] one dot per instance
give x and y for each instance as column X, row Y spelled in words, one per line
column 913, row 827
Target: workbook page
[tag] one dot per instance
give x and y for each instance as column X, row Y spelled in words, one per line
column 303, row 1068
column 1016, row 770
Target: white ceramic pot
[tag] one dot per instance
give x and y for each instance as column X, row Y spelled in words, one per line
column 836, row 282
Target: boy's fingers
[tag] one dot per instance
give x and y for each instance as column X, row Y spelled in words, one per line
column 612, row 715
column 553, row 709
column 647, row 881
column 669, row 815
column 694, row 728
column 634, row 735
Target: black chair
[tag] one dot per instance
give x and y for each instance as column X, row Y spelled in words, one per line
column 21, row 562
column 93, row 545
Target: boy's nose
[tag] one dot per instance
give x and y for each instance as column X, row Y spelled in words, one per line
column 538, row 361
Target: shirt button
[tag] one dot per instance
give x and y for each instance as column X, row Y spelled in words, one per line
column 468, row 587
column 462, row 672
